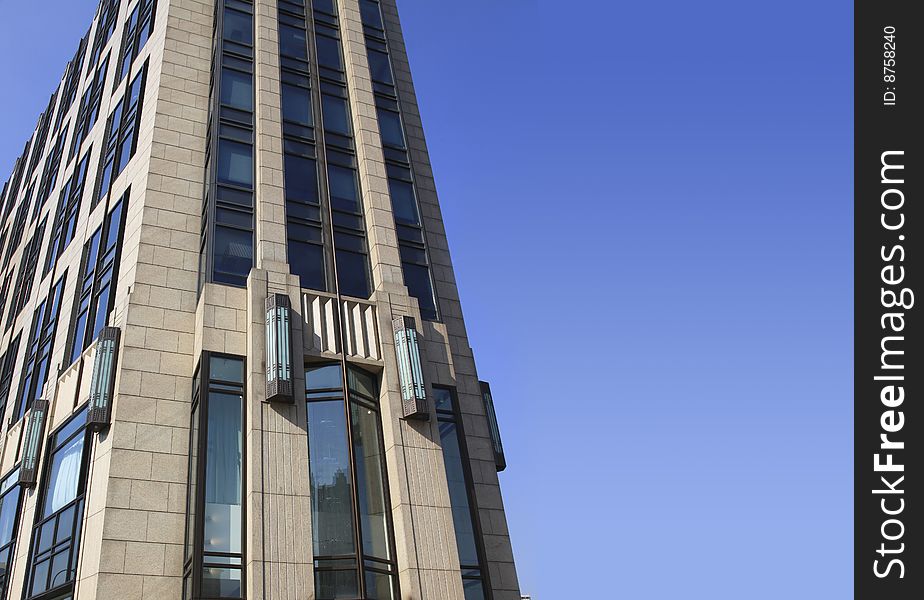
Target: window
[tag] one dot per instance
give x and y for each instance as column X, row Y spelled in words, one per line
column 390, row 126
column 380, row 67
column 89, row 107
column 464, row 509
column 65, row 223
column 121, row 136
column 336, row 114
column 95, row 294
column 72, row 80
column 351, row 559
column 214, row 545
column 50, row 176
column 237, row 89
column 27, row 266
column 8, row 362
column 10, row 499
column 37, row 361
column 42, row 136
column 59, row 511
column 106, row 24
column 138, row 29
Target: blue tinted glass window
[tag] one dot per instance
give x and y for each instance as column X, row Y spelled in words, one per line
column 237, row 89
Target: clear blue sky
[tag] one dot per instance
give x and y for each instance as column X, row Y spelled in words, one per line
column 671, row 183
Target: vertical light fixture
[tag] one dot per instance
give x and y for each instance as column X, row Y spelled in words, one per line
column 32, row 443
column 410, row 374
column 499, row 459
column 279, row 349
column 102, row 381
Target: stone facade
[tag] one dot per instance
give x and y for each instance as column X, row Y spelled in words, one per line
column 132, row 536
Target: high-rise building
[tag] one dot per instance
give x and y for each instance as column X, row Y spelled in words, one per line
column 233, row 362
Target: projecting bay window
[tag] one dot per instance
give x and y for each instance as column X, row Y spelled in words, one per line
column 53, row 559
column 10, row 500
column 226, row 254
column 38, row 351
column 350, row 513
column 138, row 29
column 65, row 223
column 415, row 260
column 461, row 496
column 121, row 136
column 95, row 294
column 214, row 514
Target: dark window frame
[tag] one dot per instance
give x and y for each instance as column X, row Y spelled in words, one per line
column 90, row 105
column 26, row 279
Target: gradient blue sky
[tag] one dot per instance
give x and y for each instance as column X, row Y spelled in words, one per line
column 671, row 184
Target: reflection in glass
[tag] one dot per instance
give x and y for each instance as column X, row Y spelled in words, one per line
column 331, row 486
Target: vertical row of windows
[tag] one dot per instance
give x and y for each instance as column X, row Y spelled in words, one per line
column 96, row 289
column 37, row 360
column 52, row 567
column 42, row 135
column 214, row 540
column 415, row 262
column 71, row 81
column 351, row 527
column 317, row 213
column 138, row 29
column 121, row 135
column 8, row 364
column 65, row 221
column 89, row 107
column 19, row 225
column 228, row 207
column 306, row 223
column 24, row 282
column 10, row 497
column 464, row 510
